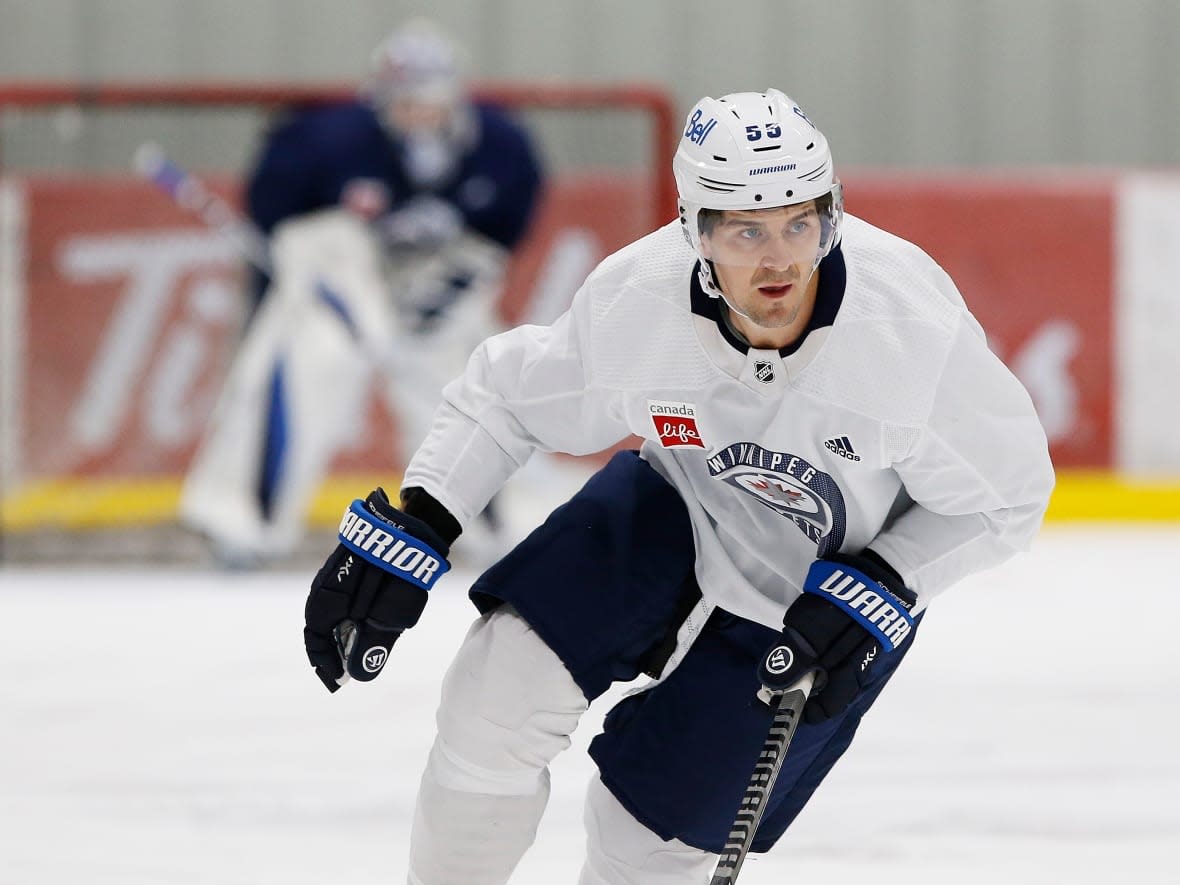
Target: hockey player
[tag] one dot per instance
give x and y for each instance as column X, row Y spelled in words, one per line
column 391, row 220
column 828, row 446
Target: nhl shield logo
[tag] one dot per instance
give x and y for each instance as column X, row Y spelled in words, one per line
column 764, row 371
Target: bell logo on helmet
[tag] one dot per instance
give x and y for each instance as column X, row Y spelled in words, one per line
column 697, row 132
column 374, row 659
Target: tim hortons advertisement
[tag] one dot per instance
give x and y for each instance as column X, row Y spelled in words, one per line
column 129, row 309
column 124, row 311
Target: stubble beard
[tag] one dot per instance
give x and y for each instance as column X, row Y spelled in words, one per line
column 774, row 316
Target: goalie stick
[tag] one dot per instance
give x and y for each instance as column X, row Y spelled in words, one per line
column 788, row 706
column 192, row 194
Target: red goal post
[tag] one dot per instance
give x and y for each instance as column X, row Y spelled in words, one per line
column 114, row 330
column 651, row 104
column 607, row 147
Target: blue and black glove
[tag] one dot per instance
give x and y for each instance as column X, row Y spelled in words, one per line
column 373, row 586
column 853, row 612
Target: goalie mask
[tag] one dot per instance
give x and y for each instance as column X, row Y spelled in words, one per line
column 417, row 87
column 753, row 150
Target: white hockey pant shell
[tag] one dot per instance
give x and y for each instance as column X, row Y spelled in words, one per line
column 508, row 708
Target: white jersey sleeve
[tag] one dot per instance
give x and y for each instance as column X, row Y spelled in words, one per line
column 526, row 389
column 959, row 431
column 977, row 473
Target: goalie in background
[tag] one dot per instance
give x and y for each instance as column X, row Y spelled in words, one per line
column 391, row 219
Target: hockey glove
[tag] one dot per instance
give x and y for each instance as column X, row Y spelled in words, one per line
column 372, row 587
column 853, row 611
column 423, row 222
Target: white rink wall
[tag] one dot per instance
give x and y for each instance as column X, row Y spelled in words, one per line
column 1147, row 320
column 163, row 727
column 910, row 83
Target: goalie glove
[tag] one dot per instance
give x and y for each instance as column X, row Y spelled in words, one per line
column 373, row 586
column 854, row 611
column 424, row 222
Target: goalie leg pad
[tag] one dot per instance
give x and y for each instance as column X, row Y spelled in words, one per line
column 326, row 290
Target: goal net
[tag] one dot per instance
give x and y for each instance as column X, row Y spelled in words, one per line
column 120, row 311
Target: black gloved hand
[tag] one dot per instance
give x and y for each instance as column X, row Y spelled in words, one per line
column 372, row 587
column 853, row 611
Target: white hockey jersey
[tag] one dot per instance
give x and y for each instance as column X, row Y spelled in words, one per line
column 893, row 427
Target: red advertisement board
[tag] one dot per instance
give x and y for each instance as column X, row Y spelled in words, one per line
column 1033, row 257
column 132, row 311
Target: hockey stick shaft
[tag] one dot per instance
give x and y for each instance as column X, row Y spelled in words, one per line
column 190, row 193
column 787, row 710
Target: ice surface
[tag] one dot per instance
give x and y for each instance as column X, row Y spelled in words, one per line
column 163, row 727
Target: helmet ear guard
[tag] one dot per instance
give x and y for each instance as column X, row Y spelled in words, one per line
column 753, row 150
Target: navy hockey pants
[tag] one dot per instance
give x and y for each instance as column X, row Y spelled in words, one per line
column 606, row 581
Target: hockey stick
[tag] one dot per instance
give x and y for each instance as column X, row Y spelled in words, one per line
column 192, row 194
column 787, row 708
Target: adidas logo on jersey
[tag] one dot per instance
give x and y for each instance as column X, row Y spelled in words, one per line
column 842, row 446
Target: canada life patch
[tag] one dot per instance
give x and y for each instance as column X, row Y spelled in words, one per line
column 676, row 424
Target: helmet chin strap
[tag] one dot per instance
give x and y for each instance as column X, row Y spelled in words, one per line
column 712, row 286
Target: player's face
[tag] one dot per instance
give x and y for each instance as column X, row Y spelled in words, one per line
column 413, row 116
column 763, row 259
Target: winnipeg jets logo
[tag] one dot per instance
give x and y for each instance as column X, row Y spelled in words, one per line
column 788, row 485
column 780, row 492
column 374, row 659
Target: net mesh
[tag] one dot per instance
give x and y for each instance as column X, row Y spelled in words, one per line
column 119, row 311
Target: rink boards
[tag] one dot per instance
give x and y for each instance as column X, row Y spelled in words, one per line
column 118, row 315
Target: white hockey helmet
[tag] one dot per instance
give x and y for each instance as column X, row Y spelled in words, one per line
column 753, row 150
column 417, row 61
